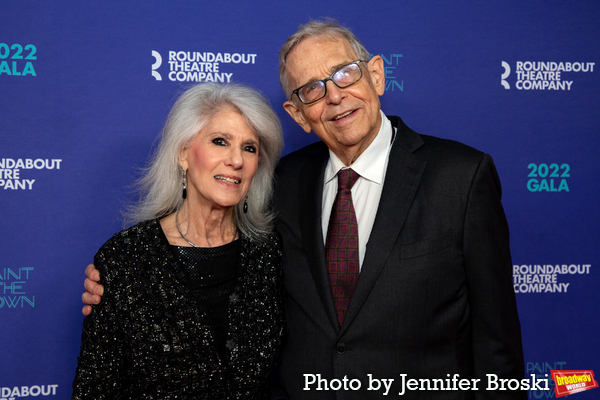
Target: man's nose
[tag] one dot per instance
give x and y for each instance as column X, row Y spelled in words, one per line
column 334, row 94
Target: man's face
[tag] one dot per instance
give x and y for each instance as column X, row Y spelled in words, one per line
column 347, row 119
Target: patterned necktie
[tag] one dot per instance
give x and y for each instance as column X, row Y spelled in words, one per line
column 341, row 245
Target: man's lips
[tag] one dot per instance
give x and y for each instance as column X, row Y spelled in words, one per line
column 343, row 115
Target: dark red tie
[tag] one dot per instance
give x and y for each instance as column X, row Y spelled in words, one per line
column 341, row 245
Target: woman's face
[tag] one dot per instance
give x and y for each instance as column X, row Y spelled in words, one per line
column 221, row 161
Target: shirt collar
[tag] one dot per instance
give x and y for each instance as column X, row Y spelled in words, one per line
column 371, row 164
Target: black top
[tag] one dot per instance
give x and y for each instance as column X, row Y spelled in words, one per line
column 212, row 274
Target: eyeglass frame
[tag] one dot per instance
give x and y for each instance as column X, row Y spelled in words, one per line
column 357, row 62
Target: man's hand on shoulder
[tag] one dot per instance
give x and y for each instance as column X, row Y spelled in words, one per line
column 94, row 291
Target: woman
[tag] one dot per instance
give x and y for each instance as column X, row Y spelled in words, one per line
column 192, row 301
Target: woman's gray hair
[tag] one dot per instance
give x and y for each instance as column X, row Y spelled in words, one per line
column 160, row 186
column 327, row 27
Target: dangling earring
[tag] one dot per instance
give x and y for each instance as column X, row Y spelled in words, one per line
column 184, row 194
column 245, row 206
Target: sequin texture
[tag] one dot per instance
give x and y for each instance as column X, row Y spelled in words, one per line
column 149, row 338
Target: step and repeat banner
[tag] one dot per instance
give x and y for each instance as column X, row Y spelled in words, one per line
column 85, row 88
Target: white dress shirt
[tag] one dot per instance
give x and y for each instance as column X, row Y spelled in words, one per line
column 371, row 165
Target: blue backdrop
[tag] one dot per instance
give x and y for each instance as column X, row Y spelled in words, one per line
column 85, row 88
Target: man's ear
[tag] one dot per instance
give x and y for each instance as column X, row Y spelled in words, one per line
column 297, row 115
column 377, row 74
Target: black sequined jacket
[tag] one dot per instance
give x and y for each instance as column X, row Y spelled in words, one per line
column 150, row 339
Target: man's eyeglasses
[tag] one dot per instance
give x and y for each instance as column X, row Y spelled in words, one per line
column 342, row 78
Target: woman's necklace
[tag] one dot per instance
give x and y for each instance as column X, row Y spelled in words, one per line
column 183, row 236
column 181, row 233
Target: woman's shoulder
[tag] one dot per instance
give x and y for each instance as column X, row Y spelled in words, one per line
column 264, row 254
column 140, row 232
column 127, row 244
column 269, row 242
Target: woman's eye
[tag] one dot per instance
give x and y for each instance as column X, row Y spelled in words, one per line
column 250, row 149
column 219, row 141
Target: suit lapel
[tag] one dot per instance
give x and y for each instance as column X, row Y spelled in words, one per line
column 311, row 182
column 402, row 179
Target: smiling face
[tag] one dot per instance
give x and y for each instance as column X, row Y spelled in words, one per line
column 348, row 119
column 221, row 161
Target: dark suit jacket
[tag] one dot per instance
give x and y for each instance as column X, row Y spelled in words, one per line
column 435, row 294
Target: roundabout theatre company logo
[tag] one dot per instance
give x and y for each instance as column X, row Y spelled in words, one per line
column 195, row 66
column 15, row 171
column 543, row 75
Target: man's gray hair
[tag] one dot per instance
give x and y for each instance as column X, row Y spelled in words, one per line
column 160, row 186
column 329, row 28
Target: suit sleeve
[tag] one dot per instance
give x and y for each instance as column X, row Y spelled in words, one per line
column 100, row 362
column 496, row 330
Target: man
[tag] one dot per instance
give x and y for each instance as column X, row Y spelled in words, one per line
column 428, row 295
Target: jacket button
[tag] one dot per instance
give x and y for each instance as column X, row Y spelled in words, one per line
column 340, row 348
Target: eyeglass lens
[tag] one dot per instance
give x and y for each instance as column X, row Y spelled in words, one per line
column 343, row 77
